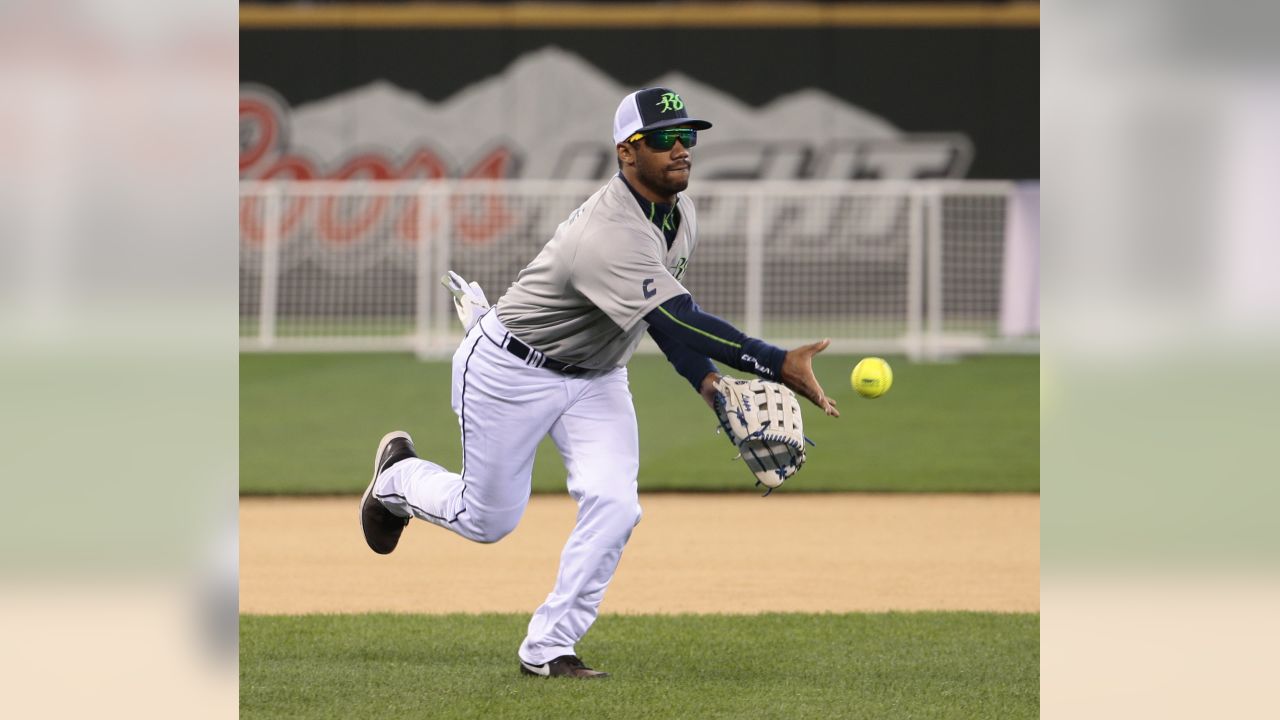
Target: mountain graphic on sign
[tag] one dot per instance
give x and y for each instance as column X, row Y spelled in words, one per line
column 549, row 114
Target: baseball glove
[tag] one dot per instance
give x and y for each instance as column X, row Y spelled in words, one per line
column 762, row 420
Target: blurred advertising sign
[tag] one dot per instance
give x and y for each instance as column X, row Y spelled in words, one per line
column 549, row 115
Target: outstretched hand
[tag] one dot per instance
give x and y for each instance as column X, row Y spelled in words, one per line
column 797, row 374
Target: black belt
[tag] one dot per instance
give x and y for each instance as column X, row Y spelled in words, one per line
column 522, row 351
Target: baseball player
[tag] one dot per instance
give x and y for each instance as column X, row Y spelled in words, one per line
column 550, row 358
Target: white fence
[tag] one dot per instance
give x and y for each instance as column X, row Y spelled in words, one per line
column 915, row 268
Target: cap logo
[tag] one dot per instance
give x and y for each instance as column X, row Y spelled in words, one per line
column 670, row 101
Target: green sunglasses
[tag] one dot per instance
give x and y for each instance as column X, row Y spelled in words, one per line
column 666, row 139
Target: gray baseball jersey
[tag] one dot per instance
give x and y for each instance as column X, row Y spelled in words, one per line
column 582, row 299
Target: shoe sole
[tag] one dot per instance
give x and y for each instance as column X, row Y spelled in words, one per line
column 377, row 456
column 544, row 671
column 535, row 670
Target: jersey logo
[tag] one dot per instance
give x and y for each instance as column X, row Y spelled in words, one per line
column 648, row 291
column 678, row 272
column 670, row 101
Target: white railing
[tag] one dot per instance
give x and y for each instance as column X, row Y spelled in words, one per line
column 882, row 267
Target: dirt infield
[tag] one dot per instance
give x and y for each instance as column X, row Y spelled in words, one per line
column 690, row 553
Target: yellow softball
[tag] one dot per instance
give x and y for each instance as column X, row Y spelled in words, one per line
column 872, row 377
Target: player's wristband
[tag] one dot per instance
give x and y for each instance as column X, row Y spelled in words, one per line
column 762, row 359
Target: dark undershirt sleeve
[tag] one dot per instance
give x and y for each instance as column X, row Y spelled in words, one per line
column 680, row 319
column 692, row 365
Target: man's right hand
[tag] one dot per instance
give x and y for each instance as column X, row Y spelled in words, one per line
column 797, row 374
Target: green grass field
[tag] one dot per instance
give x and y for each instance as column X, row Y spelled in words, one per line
column 895, row 665
column 310, row 423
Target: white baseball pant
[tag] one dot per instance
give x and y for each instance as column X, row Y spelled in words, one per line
column 505, row 406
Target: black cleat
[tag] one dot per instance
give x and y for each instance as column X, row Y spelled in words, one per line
column 381, row 527
column 563, row 666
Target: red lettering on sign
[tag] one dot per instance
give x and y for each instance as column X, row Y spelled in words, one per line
column 259, row 131
column 341, row 218
column 478, row 220
column 289, row 167
column 421, row 165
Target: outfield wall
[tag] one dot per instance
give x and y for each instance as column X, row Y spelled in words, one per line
column 898, row 92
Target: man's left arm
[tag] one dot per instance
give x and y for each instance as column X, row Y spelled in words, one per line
column 692, row 366
column 681, row 320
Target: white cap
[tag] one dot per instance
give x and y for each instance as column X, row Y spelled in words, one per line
column 626, row 121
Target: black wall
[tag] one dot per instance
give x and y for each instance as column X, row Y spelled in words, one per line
column 983, row 82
